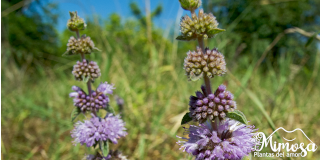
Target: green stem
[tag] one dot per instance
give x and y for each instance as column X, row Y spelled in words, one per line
column 78, row 34
column 89, row 81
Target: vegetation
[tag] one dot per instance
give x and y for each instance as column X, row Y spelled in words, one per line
column 275, row 81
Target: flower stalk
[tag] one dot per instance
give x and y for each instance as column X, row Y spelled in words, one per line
column 96, row 131
column 223, row 132
column 205, row 78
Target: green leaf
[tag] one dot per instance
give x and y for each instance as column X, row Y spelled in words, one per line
column 74, row 114
column 109, row 109
column 184, row 38
column 215, row 31
column 186, row 118
column 193, row 77
column 104, row 147
column 237, row 115
column 248, row 157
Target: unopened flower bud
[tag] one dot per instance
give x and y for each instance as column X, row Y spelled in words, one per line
column 81, row 70
column 83, row 45
column 190, row 5
column 201, row 26
column 75, row 23
column 203, row 106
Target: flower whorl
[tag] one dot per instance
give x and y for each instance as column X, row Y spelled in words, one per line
column 92, row 131
column 96, row 101
column 83, row 45
column 227, row 139
column 204, row 26
column 84, row 69
column 203, row 106
column 210, row 63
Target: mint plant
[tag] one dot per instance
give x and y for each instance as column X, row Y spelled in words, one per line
column 222, row 131
column 96, row 131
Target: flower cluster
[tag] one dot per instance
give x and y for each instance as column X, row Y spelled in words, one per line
column 227, row 139
column 98, row 129
column 210, row 63
column 203, row 106
column 84, row 69
column 83, row 45
column 202, row 26
column 97, row 100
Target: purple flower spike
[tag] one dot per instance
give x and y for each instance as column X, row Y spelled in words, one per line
column 88, row 132
column 105, row 88
column 228, row 139
column 96, row 101
column 220, row 101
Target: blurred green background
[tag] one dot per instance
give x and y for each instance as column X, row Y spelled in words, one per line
column 271, row 49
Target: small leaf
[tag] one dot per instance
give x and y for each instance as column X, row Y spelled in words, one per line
column 193, row 77
column 74, row 114
column 215, row 31
column 186, row 118
column 109, row 109
column 237, row 115
column 184, row 38
column 86, row 79
column 104, row 147
column 95, row 49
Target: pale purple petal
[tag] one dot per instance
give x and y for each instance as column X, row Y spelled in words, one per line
column 88, row 132
column 229, row 140
column 105, row 88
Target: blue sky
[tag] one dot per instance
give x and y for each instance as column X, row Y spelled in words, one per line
column 103, row 8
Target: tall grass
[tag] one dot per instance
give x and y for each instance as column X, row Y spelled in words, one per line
column 36, row 109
